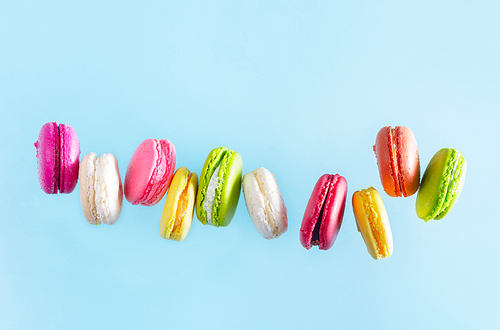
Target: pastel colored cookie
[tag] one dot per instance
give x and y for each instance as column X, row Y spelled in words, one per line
column 265, row 203
column 149, row 172
column 324, row 212
column 372, row 222
column 398, row 162
column 57, row 154
column 101, row 193
column 177, row 215
column 219, row 188
column 442, row 184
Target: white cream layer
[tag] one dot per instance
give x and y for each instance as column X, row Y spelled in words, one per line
column 210, row 195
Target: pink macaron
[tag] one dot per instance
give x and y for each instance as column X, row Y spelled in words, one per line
column 324, row 212
column 57, row 154
column 149, row 172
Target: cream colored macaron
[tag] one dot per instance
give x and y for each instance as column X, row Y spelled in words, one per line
column 265, row 203
column 101, row 192
column 177, row 215
column 373, row 223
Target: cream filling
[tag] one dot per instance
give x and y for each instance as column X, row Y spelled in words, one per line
column 210, row 195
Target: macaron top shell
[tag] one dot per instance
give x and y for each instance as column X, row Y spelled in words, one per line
column 442, row 184
column 227, row 165
column 324, row 212
column 47, row 154
column 398, row 161
column 265, row 203
column 149, row 172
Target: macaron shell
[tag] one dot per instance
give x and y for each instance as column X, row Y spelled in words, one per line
column 264, row 203
column 373, row 223
column 229, row 189
column 432, row 198
column 398, row 161
column 211, row 163
column 47, row 155
column 149, row 172
column 313, row 210
column 177, row 215
column 69, row 158
column 101, row 193
column 333, row 213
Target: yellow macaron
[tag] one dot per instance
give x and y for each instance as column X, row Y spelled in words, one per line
column 177, row 215
column 373, row 223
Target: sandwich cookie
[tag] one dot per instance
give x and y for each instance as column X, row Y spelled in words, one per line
column 398, row 163
column 372, row 222
column 265, row 203
column 219, row 188
column 57, row 154
column 101, row 193
column 149, row 172
column 442, row 184
column 177, row 215
column 324, row 212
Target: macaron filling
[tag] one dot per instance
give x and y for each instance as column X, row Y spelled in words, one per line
column 180, row 210
column 269, row 218
column 210, row 194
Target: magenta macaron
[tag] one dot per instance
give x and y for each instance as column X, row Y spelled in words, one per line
column 324, row 212
column 149, row 172
column 57, row 154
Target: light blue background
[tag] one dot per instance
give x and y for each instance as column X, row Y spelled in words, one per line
column 299, row 87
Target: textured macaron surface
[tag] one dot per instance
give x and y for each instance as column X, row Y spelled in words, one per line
column 372, row 222
column 398, row 161
column 101, row 192
column 57, row 153
column 219, row 188
column 177, row 215
column 324, row 212
column 69, row 158
column 264, row 203
column 149, row 172
column 47, row 155
column 442, row 184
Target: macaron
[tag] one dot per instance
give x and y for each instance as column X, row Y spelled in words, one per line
column 264, row 203
column 219, row 188
column 149, row 172
column 324, row 212
column 101, row 193
column 177, row 215
column 372, row 222
column 398, row 162
column 441, row 185
column 57, row 154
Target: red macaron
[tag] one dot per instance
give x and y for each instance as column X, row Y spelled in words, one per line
column 57, row 154
column 398, row 162
column 324, row 212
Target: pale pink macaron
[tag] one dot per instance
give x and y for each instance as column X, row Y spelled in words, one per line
column 149, row 172
column 57, row 154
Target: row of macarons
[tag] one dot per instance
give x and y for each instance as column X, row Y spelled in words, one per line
column 151, row 172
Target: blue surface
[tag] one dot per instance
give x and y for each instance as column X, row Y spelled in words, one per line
column 299, row 87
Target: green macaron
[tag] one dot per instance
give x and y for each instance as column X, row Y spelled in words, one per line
column 219, row 187
column 441, row 184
